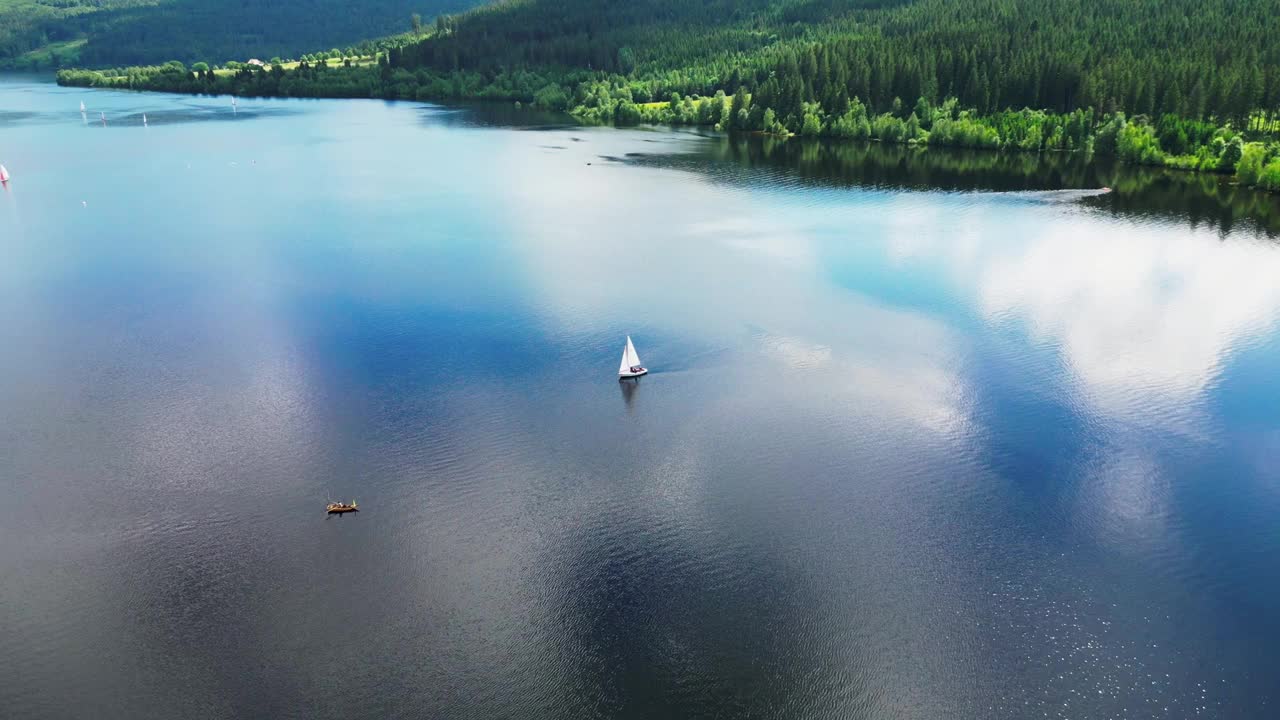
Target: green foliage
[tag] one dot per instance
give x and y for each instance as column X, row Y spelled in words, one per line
column 1138, row 144
column 1031, row 140
column 963, row 132
column 770, row 122
column 852, row 124
column 1269, row 178
column 1253, row 159
column 1231, row 155
column 1106, row 139
column 551, row 97
column 1052, row 54
column 1039, row 76
column 117, row 32
column 887, row 128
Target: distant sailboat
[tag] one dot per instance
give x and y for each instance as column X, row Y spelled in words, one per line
column 4, row 174
column 144, row 119
column 81, row 106
column 630, row 366
column 104, row 117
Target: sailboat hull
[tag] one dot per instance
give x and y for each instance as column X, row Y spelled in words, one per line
column 625, row 375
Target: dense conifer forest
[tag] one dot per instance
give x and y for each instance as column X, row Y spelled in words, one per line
column 1193, row 84
column 42, row 34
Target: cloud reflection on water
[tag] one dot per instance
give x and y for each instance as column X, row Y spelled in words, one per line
column 1146, row 317
column 876, row 308
column 815, row 502
column 722, row 271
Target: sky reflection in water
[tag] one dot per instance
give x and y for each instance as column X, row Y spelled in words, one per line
column 903, row 452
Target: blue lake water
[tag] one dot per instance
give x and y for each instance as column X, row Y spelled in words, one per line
column 923, row 437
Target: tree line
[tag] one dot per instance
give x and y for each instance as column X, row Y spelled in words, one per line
column 1194, row 58
column 1193, row 84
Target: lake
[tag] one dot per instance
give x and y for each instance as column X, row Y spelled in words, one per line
column 926, row 434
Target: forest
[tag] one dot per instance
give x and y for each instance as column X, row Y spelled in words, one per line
column 45, row 34
column 1194, row 86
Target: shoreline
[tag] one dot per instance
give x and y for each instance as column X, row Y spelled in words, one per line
column 1080, row 133
column 1043, row 158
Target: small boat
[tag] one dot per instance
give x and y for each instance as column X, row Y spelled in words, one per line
column 4, row 174
column 337, row 508
column 630, row 366
column 103, row 115
column 81, row 106
column 144, row 119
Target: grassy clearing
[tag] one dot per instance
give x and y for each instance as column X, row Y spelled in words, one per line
column 58, row 54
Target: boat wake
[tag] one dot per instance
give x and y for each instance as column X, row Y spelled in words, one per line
column 1051, row 197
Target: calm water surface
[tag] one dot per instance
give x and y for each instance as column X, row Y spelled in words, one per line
column 948, row 438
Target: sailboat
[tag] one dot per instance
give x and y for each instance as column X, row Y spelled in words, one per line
column 630, row 366
column 104, row 117
column 4, row 174
column 144, row 119
column 81, row 106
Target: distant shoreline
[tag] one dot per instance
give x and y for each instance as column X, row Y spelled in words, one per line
column 1027, row 131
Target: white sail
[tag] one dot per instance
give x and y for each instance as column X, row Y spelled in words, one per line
column 633, row 358
column 625, row 367
column 81, row 106
column 4, row 174
column 144, row 118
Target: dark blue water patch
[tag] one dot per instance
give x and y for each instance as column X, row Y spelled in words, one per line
column 1247, row 395
column 655, row 631
column 498, row 115
column 1037, row 429
column 12, row 117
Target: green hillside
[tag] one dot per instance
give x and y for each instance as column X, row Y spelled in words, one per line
column 1191, row 57
column 1193, row 84
column 98, row 33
